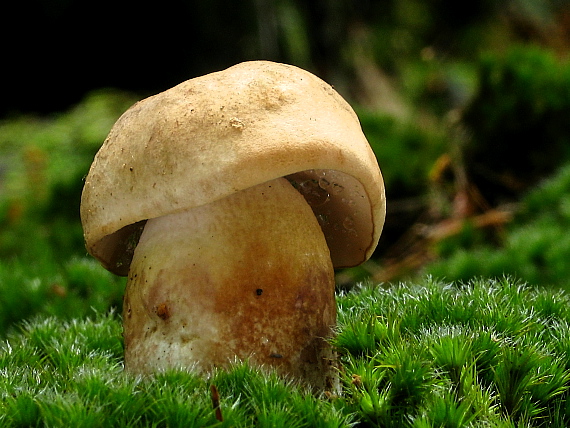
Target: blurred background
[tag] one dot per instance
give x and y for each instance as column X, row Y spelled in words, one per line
column 466, row 106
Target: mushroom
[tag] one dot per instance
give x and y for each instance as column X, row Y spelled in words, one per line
column 227, row 201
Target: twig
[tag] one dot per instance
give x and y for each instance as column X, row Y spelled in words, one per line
column 216, row 402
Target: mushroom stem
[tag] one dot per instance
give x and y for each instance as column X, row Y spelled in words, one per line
column 248, row 276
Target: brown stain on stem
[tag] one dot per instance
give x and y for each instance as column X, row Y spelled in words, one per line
column 163, row 311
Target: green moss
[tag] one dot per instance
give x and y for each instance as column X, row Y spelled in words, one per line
column 479, row 354
column 486, row 353
column 59, row 374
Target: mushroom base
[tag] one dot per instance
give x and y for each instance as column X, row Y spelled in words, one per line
column 248, row 277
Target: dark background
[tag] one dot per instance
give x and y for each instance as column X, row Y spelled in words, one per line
column 55, row 51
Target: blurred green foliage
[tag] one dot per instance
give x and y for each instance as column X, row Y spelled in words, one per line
column 43, row 161
column 518, row 120
column 70, row 289
column 42, row 165
column 405, row 151
column 535, row 247
column 519, row 151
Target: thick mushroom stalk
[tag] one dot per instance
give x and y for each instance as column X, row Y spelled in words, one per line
column 248, row 276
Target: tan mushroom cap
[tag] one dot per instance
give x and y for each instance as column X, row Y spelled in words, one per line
column 215, row 135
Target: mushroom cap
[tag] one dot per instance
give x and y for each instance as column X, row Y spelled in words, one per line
column 227, row 131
